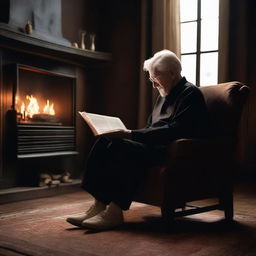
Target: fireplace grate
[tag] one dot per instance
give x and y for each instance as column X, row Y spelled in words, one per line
column 38, row 140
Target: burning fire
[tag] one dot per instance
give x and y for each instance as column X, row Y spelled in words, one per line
column 49, row 109
column 32, row 108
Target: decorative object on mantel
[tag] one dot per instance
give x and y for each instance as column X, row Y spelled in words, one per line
column 87, row 40
column 92, row 41
column 48, row 179
column 74, row 44
column 22, row 42
column 29, row 28
column 83, row 33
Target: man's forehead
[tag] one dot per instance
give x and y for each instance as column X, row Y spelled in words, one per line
column 153, row 72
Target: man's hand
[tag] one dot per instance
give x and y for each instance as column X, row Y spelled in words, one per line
column 127, row 134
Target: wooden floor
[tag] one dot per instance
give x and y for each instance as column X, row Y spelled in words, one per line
column 38, row 227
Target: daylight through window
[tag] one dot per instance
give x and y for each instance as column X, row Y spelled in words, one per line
column 199, row 20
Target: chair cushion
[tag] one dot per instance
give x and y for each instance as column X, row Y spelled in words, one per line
column 224, row 102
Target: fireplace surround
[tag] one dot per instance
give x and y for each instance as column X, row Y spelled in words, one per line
column 53, row 73
column 40, row 142
column 45, row 144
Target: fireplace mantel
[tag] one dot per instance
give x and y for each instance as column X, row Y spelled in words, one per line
column 21, row 42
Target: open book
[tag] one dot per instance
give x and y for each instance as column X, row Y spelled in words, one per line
column 101, row 124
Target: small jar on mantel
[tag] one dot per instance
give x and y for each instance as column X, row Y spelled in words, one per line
column 29, row 28
column 92, row 39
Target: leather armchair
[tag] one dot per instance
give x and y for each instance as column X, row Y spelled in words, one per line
column 200, row 168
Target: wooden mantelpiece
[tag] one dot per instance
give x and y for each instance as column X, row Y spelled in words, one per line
column 25, row 43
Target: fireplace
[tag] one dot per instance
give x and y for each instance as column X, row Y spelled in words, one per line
column 44, row 82
column 44, row 105
column 38, row 99
column 50, row 138
column 41, row 117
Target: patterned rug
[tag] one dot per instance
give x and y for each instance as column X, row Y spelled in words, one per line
column 38, row 228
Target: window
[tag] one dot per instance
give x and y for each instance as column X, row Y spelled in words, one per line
column 199, row 20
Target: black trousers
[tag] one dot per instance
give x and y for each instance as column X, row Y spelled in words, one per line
column 115, row 168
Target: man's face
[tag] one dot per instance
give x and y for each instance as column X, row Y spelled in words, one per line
column 161, row 81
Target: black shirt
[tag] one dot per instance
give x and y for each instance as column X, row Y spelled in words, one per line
column 181, row 114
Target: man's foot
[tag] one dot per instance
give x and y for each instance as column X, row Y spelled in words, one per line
column 110, row 218
column 95, row 209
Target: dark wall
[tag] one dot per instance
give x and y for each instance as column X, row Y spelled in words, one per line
column 123, row 33
column 110, row 88
column 242, row 68
column 73, row 19
column 114, row 89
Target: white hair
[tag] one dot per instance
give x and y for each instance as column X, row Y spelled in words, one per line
column 163, row 61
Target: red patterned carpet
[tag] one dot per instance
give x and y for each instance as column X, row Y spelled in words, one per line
column 38, row 227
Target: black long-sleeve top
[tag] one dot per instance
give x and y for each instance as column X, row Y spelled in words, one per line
column 181, row 114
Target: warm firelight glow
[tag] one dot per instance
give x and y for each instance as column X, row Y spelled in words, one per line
column 49, row 109
column 23, row 109
column 32, row 108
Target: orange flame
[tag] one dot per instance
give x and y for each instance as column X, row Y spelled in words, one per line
column 22, row 110
column 49, row 109
column 33, row 107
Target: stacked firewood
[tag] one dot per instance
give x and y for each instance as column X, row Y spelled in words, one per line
column 48, row 179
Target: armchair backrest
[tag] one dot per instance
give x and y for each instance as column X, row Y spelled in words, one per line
column 225, row 104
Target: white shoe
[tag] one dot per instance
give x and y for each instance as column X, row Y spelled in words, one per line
column 95, row 209
column 104, row 220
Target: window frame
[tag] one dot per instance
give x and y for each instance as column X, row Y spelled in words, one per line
column 198, row 44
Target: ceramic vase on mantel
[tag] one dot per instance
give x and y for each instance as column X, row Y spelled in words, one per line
column 92, row 40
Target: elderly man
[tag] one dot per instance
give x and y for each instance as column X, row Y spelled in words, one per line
column 119, row 161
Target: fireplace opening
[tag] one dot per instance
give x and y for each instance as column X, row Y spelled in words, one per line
column 41, row 126
column 44, row 98
column 44, row 109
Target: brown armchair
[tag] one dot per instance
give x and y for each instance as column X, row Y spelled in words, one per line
column 200, row 168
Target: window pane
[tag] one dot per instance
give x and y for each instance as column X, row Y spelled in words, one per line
column 188, row 37
column 209, row 9
column 209, row 69
column 188, row 63
column 188, row 10
column 209, row 34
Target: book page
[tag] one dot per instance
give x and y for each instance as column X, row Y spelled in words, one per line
column 102, row 124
